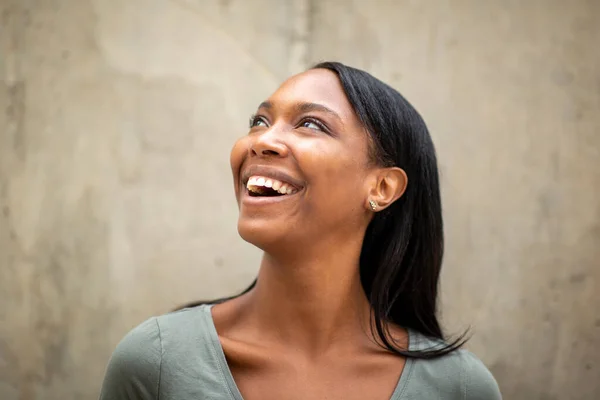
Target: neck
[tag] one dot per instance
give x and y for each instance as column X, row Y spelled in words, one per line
column 314, row 301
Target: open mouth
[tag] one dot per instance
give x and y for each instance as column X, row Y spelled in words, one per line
column 260, row 186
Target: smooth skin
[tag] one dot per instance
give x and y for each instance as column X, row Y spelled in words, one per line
column 303, row 331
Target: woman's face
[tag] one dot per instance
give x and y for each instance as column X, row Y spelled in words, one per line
column 304, row 141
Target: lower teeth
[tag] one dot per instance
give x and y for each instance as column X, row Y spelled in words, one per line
column 262, row 191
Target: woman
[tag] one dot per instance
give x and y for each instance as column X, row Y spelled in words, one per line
column 337, row 183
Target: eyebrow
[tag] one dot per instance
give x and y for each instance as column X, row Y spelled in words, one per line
column 305, row 107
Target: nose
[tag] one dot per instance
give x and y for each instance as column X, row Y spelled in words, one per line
column 268, row 144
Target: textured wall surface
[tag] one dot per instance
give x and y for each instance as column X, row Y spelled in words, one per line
column 116, row 202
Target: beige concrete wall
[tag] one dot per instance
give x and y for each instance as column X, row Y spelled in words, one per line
column 116, row 119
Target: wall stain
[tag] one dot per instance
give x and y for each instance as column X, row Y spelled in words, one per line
column 562, row 77
column 225, row 4
column 312, row 11
column 578, row 278
column 15, row 113
column 68, row 276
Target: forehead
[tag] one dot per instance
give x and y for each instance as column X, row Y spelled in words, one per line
column 319, row 86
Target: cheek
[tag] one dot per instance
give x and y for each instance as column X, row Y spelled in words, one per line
column 337, row 173
column 236, row 158
column 238, row 153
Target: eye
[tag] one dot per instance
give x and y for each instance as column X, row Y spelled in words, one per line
column 313, row 124
column 257, row 120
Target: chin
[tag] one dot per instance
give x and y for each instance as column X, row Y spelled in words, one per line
column 267, row 236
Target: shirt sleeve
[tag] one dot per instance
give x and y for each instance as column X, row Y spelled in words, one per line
column 479, row 381
column 133, row 371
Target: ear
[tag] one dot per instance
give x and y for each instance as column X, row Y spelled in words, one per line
column 389, row 185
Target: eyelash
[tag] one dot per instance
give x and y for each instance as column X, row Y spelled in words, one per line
column 316, row 122
column 254, row 119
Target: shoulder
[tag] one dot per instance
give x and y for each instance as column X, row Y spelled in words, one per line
column 134, row 367
column 147, row 354
column 185, row 322
column 458, row 375
column 477, row 380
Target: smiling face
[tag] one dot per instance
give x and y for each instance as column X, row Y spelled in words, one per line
column 304, row 141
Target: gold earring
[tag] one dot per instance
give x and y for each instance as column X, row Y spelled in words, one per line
column 373, row 205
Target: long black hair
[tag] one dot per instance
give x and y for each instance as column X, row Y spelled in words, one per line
column 402, row 251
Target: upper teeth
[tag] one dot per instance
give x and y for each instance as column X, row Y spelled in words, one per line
column 255, row 182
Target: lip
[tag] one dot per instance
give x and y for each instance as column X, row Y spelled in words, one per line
column 264, row 200
column 273, row 173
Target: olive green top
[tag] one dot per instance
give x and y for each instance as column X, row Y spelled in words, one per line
column 178, row 356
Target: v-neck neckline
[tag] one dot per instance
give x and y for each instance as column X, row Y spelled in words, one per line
column 234, row 391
